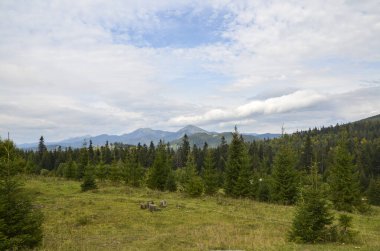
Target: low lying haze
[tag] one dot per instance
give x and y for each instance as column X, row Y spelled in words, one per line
column 70, row 68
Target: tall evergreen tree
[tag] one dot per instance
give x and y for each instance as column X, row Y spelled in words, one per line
column 151, row 154
column 194, row 184
column 243, row 185
column 237, row 168
column 106, row 154
column 41, row 147
column 134, row 171
column 210, row 175
column 91, row 153
column 184, row 151
column 307, row 155
column 43, row 156
column 344, row 180
column 20, row 222
column 158, row 173
column 285, row 178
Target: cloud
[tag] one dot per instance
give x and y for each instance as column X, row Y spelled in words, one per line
column 88, row 67
column 283, row 104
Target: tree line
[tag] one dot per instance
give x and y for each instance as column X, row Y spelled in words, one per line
column 258, row 169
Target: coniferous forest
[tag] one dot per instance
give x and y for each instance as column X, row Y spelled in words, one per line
column 266, row 170
column 319, row 170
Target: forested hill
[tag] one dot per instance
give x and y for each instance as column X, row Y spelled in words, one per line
column 368, row 128
column 362, row 139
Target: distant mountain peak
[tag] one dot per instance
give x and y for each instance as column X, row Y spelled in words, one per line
column 145, row 135
column 191, row 129
column 145, row 129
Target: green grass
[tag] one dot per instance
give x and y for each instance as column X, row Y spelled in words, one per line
column 111, row 219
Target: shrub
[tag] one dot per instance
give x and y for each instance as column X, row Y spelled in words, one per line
column 194, row 187
column 88, row 180
column 344, row 232
column 44, row 172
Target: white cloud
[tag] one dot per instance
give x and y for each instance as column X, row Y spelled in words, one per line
column 72, row 67
column 294, row 101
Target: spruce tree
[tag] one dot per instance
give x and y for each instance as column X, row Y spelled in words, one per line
column 43, row 158
column 313, row 219
column 151, row 153
column 91, row 153
column 41, row 147
column 106, row 154
column 116, row 171
column 20, row 222
column 210, row 176
column 88, row 179
column 285, row 178
column 158, row 173
column 184, row 151
column 133, row 172
column 243, row 185
column 307, row 155
column 193, row 185
column 236, row 162
column 344, row 180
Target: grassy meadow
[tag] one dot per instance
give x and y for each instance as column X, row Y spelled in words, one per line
column 111, row 219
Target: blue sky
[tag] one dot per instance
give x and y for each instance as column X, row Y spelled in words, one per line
column 185, row 28
column 71, row 68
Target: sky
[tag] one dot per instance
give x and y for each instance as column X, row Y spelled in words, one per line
column 88, row 67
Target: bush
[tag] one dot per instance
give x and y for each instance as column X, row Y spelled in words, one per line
column 344, row 232
column 88, row 180
column 44, row 172
column 194, row 187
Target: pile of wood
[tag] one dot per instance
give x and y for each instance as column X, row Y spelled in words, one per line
column 153, row 207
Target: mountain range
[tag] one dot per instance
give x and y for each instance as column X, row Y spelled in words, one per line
column 196, row 136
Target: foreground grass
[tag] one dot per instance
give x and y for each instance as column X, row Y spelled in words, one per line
column 111, row 219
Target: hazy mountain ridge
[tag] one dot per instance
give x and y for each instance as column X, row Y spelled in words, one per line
column 196, row 136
